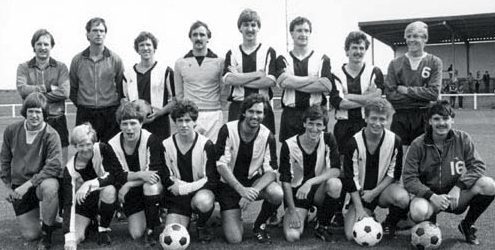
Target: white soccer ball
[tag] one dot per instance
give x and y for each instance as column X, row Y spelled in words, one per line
column 312, row 214
column 174, row 237
column 367, row 232
column 426, row 235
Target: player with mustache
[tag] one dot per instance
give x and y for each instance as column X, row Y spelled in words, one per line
column 444, row 172
column 198, row 78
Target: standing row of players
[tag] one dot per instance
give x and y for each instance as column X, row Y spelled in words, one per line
column 305, row 76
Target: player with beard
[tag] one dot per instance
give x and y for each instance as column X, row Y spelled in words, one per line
column 247, row 166
column 309, row 171
column 354, row 84
column 250, row 68
column 186, row 163
column 139, row 188
column 444, row 172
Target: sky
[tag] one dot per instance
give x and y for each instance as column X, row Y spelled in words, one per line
column 170, row 20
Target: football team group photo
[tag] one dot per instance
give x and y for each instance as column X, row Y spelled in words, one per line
column 249, row 148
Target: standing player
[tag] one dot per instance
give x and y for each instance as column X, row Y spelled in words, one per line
column 48, row 76
column 355, row 83
column 413, row 81
column 198, row 77
column 88, row 187
column 250, row 68
column 139, row 189
column 246, row 163
column 96, row 76
column 445, row 173
column 304, row 75
column 309, row 171
column 31, row 162
column 186, row 162
column 151, row 81
column 372, row 167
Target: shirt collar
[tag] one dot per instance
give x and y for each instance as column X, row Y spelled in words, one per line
column 209, row 53
column 51, row 62
column 106, row 52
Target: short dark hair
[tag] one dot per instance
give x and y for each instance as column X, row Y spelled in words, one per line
column 129, row 110
column 299, row 21
column 143, row 36
column 248, row 15
column 39, row 33
column 440, row 107
column 250, row 101
column 378, row 105
column 356, row 37
column 95, row 21
column 35, row 100
column 184, row 107
column 198, row 24
column 316, row 112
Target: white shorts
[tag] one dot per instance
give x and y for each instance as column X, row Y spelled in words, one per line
column 209, row 123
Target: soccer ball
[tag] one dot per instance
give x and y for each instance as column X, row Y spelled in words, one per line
column 143, row 107
column 174, row 237
column 367, row 232
column 426, row 235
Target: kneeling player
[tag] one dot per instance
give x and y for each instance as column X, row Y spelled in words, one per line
column 139, row 188
column 445, row 173
column 88, row 187
column 372, row 167
column 246, row 163
column 309, row 170
column 186, row 162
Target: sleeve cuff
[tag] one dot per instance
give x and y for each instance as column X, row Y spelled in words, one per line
column 428, row 194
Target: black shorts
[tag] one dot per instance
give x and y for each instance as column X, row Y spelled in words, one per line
column 344, row 130
column 291, row 123
column 133, row 201
column 59, row 123
column 371, row 206
column 409, row 124
column 27, row 203
column 227, row 197
column 268, row 121
column 89, row 208
column 306, row 203
column 102, row 120
column 180, row 204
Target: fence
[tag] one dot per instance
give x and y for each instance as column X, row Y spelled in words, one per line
column 475, row 101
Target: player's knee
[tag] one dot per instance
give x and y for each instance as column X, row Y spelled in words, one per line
column 108, row 194
column 292, row 235
column 333, row 187
column 486, row 185
column 49, row 188
column 80, row 237
column 401, row 198
column 275, row 194
column 203, row 201
column 152, row 189
column 419, row 210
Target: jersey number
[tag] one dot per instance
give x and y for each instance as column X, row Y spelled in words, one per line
column 426, row 72
column 457, row 168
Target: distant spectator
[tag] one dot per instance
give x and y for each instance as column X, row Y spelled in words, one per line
column 451, row 87
column 477, row 82
column 460, row 90
column 486, row 81
column 470, row 82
